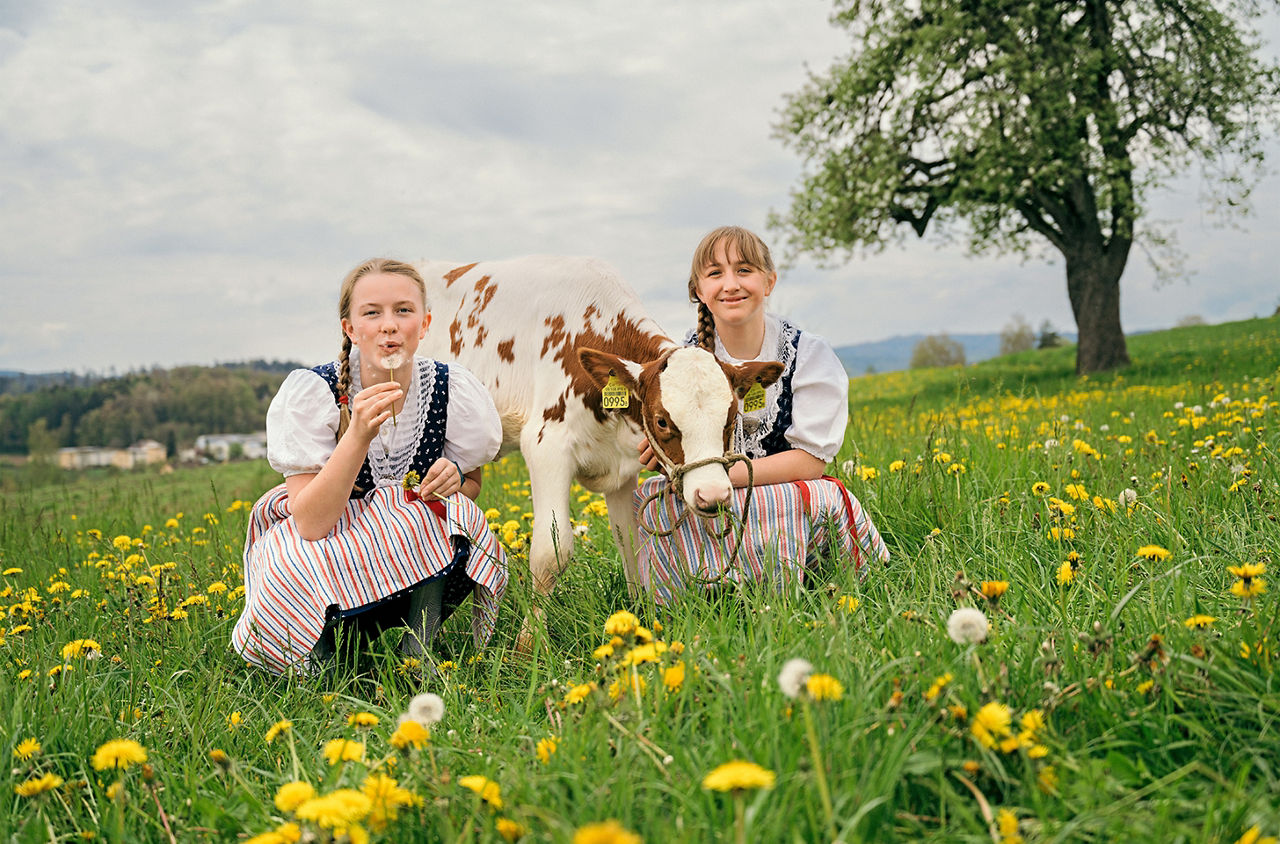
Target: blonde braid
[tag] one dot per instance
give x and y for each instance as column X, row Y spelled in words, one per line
column 706, row 329
column 344, row 386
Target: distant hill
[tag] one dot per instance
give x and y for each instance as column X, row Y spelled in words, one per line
column 894, row 353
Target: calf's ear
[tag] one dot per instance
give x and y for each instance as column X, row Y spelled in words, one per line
column 743, row 376
column 601, row 366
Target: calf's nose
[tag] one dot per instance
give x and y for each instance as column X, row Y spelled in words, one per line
column 710, row 497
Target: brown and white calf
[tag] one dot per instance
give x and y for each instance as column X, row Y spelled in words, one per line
column 545, row 334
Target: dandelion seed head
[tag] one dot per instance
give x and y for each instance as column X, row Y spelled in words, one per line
column 426, row 708
column 967, row 626
column 793, row 676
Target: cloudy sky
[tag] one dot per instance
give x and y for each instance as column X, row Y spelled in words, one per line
column 188, row 183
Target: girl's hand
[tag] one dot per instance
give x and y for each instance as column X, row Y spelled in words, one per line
column 372, row 406
column 648, row 459
column 443, row 479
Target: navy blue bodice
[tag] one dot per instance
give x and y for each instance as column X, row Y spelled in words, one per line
column 431, row 443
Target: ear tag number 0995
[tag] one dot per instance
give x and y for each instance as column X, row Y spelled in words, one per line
column 754, row 399
column 614, row 395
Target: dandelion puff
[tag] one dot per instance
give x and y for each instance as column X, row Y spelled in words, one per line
column 793, row 676
column 967, row 626
column 426, row 708
column 1127, row 497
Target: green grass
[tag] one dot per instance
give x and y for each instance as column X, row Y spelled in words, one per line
column 1154, row 731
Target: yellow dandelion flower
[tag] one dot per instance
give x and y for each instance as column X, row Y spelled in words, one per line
column 87, row 648
column 992, row 720
column 579, row 693
column 1040, row 488
column 387, row 797
column 1077, row 491
column 335, row 810
column 408, row 734
column 1047, row 779
column 1146, row 686
column 235, row 719
column 824, row 687
column 289, row 833
column 738, row 775
column 362, row 719
column 937, row 686
column 848, row 603
column 510, row 830
column 546, row 748
column 26, row 749
column 37, row 785
column 1248, row 570
column 487, row 789
column 291, row 795
column 1199, row 621
column 1154, row 553
column 673, row 676
column 343, row 750
column 276, row 729
column 607, row 832
column 1066, row 574
column 1007, row 824
column 619, row 687
column 1038, row 751
column 1253, row 835
column 621, row 623
column 118, row 753
column 1032, row 720
column 122, row 543
column 993, row 590
column 603, row 652
column 868, row 473
column 897, row 465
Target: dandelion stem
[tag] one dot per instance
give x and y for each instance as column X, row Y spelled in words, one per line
column 818, row 768
column 739, row 817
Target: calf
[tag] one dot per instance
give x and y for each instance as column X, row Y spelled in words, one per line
column 546, row 334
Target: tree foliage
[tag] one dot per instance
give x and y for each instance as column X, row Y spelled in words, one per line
column 1035, row 122
column 1017, row 336
column 937, row 350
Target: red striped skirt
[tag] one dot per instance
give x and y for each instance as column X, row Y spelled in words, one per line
column 382, row 544
column 789, row 527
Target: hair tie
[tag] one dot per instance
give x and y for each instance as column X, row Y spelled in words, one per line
column 342, row 399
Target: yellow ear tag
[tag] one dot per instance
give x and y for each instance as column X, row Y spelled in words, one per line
column 754, row 399
column 614, row 395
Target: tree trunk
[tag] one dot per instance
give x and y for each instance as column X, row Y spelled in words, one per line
column 1093, row 285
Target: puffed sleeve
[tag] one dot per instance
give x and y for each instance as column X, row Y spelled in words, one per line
column 820, row 389
column 302, row 424
column 473, row 433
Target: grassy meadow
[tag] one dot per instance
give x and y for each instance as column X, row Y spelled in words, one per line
column 1119, row 533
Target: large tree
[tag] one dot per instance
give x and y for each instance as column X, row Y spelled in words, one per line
column 1033, row 122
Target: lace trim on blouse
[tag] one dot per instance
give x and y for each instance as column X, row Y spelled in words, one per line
column 391, row 464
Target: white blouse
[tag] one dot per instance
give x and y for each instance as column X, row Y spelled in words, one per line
column 819, row 390
column 302, row 424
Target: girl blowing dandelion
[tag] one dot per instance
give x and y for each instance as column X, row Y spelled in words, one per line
column 340, row 547
column 790, row 430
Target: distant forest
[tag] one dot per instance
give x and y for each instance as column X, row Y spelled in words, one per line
column 171, row 406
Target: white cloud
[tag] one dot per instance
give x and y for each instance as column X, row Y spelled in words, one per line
column 189, row 183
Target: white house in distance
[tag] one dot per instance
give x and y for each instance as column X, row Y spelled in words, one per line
column 219, row 446
column 141, row 453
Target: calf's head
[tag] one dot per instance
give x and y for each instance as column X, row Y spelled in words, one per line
column 687, row 400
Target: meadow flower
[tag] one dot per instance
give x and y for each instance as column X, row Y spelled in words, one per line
column 636, row 684
column 276, row 729
column 26, row 749
column 426, row 708
column 673, row 676
column 991, row 721
column 87, row 648
column 289, row 833
column 235, row 719
column 118, row 753
column 993, row 590
column 897, row 465
column 607, row 832
column 603, row 652
column 1199, row 621
column 1153, row 553
column 1066, row 574
column 387, row 797
column 1253, row 835
column 336, row 810
column 343, row 750
column 823, row 687
column 793, row 676
column 621, row 623
column 848, row 603
column 1007, row 824
column 37, row 785
column 362, row 719
column 935, row 689
column 1076, row 491
column 487, row 789
column 291, row 795
column 510, row 830
column 738, row 775
column 546, row 748
column 967, row 626
column 1040, row 488
column 579, row 693
column 409, row 733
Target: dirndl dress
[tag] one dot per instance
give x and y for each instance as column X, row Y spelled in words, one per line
column 789, row 529
column 385, row 544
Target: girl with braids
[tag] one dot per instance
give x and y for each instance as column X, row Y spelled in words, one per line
column 789, row 431
column 342, row 549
